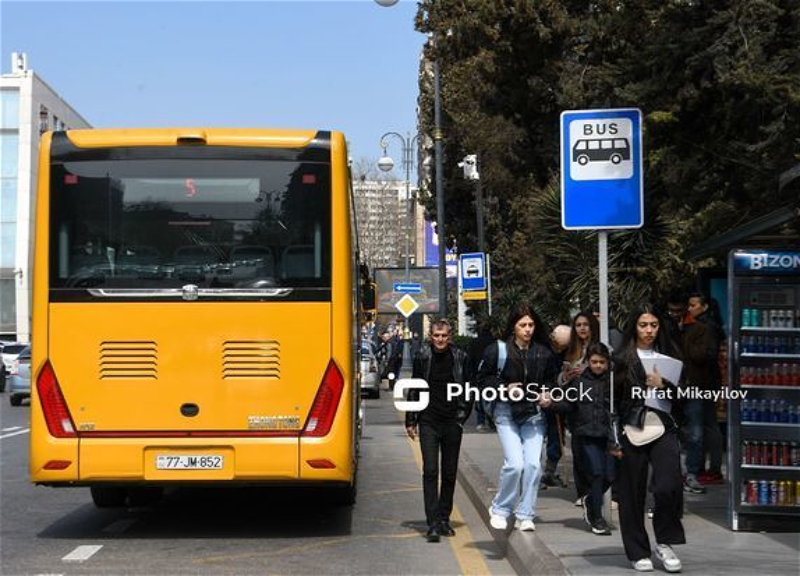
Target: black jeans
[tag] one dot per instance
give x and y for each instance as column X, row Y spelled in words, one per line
column 436, row 438
column 580, row 474
column 666, row 484
column 599, row 465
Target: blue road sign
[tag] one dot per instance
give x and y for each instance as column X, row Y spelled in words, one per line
column 473, row 271
column 601, row 169
column 407, row 288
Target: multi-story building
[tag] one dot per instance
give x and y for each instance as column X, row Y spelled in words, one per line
column 381, row 212
column 28, row 108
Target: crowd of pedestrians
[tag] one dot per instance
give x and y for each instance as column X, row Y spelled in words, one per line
column 624, row 418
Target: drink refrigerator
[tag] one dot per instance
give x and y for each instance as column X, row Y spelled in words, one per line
column 764, row 394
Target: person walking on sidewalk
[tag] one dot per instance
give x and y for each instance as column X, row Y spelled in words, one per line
column 587, row 400
column 707, row 312
column 559, row 342
column 693, row 339
column 527, row 364
column 440, row 425
column 585, row 332
column 636, row 393
column 475, row 353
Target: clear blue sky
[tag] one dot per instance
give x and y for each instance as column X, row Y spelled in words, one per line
column 350, row 66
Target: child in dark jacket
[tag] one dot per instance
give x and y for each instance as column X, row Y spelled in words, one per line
column 586, row 399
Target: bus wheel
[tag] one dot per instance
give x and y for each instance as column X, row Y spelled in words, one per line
column 583, row 159
column 616, row 158
column 144, row 496
column 108, row 496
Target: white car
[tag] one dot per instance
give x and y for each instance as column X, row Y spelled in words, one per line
column 10, row 352
column 19, row 378
column 370, row 376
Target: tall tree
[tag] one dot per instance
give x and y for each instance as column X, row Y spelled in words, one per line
column 718, row 82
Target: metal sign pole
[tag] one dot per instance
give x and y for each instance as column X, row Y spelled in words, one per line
column 602, row 272
column 489, row 281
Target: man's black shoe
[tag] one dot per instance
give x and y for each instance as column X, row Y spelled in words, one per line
column 549, row 479
column 445, row 529
column 433, row 533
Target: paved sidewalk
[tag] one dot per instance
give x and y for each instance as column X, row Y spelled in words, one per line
column 562, row 543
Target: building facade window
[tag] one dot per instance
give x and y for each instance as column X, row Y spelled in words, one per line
column 8, row 241
column 9, row 154
column 9, row 109
column 8, row 200
column 44, row 119
column 7, row 305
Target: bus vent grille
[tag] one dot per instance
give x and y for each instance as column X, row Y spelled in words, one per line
column 251, row 359
column 129, row 359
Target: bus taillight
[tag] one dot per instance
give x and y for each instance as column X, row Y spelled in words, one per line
column 56, row 412
column 325, row 404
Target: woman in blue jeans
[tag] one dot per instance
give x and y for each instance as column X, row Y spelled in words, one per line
column 517, row 373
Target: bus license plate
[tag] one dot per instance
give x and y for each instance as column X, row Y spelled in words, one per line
column 189, row 462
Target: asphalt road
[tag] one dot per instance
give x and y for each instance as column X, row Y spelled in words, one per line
column 239, row 531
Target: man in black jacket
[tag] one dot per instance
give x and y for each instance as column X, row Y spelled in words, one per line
column 440, row 425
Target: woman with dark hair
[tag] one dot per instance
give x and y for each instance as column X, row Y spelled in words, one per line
column 517, row 371
column 638, row 393
column 585, row 331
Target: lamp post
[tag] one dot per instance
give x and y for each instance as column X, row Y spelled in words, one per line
column 437, row 138
column 386, row 164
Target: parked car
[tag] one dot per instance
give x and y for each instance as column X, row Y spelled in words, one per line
column 19, row 377
column 370, row 372
column 10, row 351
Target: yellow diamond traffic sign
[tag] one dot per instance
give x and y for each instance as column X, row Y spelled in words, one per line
column 407, row 305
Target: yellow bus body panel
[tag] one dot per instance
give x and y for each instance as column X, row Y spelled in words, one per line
column 188, row 341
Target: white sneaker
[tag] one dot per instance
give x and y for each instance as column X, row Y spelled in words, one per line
column 525, row 525
column 643, row 565
column 497, row 522
column 671, row 562
column 579, row 501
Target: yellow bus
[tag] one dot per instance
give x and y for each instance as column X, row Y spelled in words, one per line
column 195, row 310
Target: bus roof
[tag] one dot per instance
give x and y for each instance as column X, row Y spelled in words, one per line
column 277, row 138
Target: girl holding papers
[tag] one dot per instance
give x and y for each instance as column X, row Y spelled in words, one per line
column 643, row 397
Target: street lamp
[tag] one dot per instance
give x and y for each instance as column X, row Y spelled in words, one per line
column 437, row 138
column 386, row 164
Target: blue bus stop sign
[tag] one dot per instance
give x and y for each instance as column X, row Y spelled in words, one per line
column 601, row 169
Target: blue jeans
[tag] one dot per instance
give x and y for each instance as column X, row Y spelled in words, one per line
column 522, row 468
column 693, row 420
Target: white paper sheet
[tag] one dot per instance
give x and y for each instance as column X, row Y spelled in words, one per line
column 669, row 367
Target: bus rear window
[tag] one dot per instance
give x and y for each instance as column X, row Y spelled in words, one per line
column 165, row 223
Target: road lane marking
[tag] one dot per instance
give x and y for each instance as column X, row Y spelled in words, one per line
column 304, row 547
column 119, row 526
column 82, row 553
column 10, row 429
column 17, row 433
column 392, row 491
